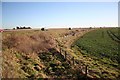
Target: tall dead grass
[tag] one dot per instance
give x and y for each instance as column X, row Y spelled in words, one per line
column 29, row 43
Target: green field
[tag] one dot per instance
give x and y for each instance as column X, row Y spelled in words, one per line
column 102, row 46
column 98, row 43
column 115, row 31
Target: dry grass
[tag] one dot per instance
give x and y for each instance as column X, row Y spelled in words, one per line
column 21, row 48
column 28, row 43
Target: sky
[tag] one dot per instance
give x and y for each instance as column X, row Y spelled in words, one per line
column 59, row 14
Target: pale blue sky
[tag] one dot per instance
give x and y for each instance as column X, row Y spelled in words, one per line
column 59, row 14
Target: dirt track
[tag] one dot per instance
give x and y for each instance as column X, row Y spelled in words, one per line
column 68, row 38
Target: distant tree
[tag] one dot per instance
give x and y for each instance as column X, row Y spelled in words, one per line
column 90, row 28
column 17, row 27
column 69, row 28
column 24, row 27
column 43, row 29
column 20, row 27
column 29, row 27
column 13, row 28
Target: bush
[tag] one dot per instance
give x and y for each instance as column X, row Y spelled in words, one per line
column 69, row 28
column 43, row 29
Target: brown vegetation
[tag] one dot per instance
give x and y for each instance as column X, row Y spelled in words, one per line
column 28, row 43
column 35, row 54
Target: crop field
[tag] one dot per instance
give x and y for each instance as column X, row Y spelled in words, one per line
column 100, row 45
column 115, row 31
column 103, row 45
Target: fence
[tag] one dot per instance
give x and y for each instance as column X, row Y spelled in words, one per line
column 72, row 61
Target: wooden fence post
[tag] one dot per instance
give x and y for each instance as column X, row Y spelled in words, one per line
column 60, row 50
column 65, row 55
column 86, row 69
column 73, row 60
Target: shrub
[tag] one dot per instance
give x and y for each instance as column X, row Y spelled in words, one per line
column 43, row 29
column 69, row 28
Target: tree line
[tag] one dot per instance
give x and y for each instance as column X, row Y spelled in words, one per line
column 22, row 27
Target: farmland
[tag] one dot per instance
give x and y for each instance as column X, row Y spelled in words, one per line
column 102, row 46
column 60, row 53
